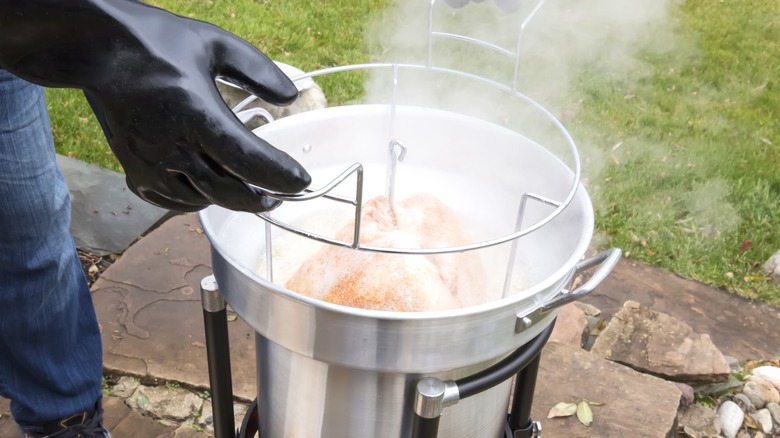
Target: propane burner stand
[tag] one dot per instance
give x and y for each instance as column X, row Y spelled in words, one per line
column 431, row 394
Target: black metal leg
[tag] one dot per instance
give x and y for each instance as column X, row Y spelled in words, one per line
column 218, row 354
column 430, row 398
column 425, row 427
column 525, row 385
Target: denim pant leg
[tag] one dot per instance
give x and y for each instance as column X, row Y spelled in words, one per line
column 50, row 347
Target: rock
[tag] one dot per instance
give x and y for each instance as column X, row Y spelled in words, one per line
column 760, row 392
column 758, row 435
column 731, row 418
column 125, row 387
column 658, row 344
column 642, row 404
column 687, row 394
column 310, row 96
column 700, row 422
column 734, row 364
column 743, row 434
column 774, row 409
column 186, row 431
column 772, row 267
column 589, row 309
column 206, row 417
column 764, row 420
column 164, row 402
column 570, row 326
column 743, row 402
column 769, row 373
column 106, row 217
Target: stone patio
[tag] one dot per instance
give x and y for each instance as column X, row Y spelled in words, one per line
column 148, row 305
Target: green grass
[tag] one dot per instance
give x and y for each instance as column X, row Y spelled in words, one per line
column 691, row 135
column 694, row 186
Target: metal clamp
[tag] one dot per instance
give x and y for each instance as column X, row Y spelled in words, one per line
column 211, row 298
column 606, row 261
column 433, row 395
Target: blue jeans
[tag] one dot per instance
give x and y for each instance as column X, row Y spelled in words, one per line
column 50, row 348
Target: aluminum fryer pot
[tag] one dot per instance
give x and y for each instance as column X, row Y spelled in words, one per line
column 326, row 370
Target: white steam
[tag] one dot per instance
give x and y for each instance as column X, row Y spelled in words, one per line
column 565, row 42
column 563, row 39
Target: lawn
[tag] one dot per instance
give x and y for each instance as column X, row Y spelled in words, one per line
column 681, row 144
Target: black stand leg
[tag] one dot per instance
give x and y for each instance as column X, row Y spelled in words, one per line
column 430, row 399
column 218, row 353
column 525, row 385
column 425, row 427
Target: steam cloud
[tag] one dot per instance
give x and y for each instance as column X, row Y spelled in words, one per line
column 564, row 40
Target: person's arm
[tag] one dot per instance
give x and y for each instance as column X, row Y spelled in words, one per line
column 149, row 76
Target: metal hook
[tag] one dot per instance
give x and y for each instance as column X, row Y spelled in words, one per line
column 397, row 151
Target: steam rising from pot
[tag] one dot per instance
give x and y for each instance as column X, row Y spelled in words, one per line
column 566, row 43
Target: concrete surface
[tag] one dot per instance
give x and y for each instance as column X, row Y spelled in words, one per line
column 106, row 217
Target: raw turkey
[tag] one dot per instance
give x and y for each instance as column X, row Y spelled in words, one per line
column 396, row 282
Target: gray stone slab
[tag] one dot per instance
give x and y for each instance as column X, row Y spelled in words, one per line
column 739, row 328
column 148, row 306
column 661, row 345
column 106, row 217
column 634, row 404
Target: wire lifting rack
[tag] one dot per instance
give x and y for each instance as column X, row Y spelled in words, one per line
column 397, row 151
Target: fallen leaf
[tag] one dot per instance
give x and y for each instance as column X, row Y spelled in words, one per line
column 584, row 413
column 93, row 269
column 729, row 275
column 746, row 245
column 231, row 317
column 562, row 410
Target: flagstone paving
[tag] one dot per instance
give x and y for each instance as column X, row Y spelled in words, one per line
column 148, row 305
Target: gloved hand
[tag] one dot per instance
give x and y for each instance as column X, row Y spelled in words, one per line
column 149, row 77
column 508, row 6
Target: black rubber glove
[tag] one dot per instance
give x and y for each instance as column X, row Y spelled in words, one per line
column 149, row 77
column 508, row 6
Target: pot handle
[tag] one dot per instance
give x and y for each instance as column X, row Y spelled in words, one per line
column 606, row 261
